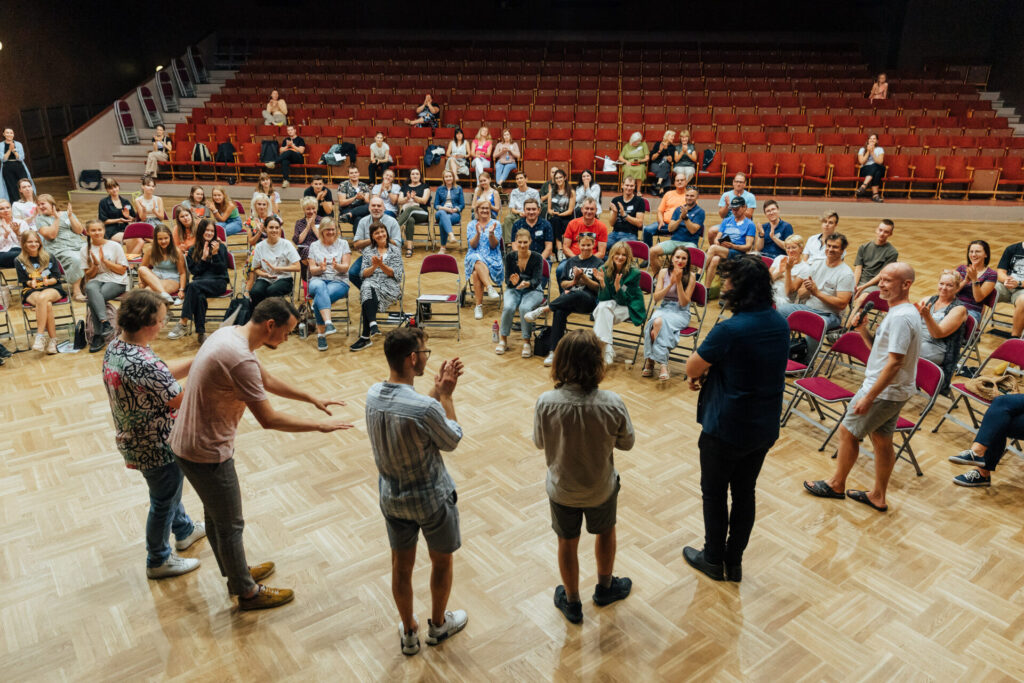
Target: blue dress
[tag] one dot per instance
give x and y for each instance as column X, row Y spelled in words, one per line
column 491, row 256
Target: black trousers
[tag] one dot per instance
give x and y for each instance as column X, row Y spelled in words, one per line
column 286, row 160
column 193, row 306
column 723, row 468
column 874, row 171
column 558, row 224
column 353, row 214
column 13, row 172
column 377, row 169
column 263, row 289
column 578, row 301
column 369, row 312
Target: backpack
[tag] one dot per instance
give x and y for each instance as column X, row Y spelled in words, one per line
column 239, row 310
column 542, row 341
column 225, row 153
column 79, row 340
column 90, row 179
column 201, row 153
column 268, row 151
column 91, row 331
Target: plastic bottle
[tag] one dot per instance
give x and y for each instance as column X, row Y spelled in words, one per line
column 494, row 332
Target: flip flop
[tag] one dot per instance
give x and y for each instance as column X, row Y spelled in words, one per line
column 862, row 497
column 822, row 490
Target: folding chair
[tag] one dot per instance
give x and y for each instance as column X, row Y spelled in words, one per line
column 136, row 231
column 929, row 380
column 391, row 316
column 6, row 329
column 812, row 325
column 63, row 316
column 427, row 314
column 824, row 395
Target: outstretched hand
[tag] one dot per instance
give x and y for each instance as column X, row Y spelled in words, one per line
column 333, row 426
column 322, row 405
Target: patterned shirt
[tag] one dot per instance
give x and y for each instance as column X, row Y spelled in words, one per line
column 348, row 191
column 139, row 387
column 407, row 433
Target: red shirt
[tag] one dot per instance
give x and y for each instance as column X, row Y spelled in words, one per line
column 576, row 227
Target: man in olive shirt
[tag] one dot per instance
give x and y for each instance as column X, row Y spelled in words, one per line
column 872, row 257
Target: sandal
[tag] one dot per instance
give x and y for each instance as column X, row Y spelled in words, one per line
column 648, row 370
column 408, row 253
column 500, row 348
column 823, row 490
column 663, row 376
column 862, row 497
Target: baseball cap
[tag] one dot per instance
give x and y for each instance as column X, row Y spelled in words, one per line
column 737, row 202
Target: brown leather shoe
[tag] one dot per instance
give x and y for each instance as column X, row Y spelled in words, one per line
column 266, row 598
column 261, row 571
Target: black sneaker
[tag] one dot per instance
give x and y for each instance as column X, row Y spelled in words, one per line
column 107, row 329
column 695, row 558
column 361, row 344
column 573, row 611
column 98, row 342
column 4, row 352
column 734, row 572
column 374, row 330
column 618, row 590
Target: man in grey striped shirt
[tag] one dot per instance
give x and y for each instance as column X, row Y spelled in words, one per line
column 407, row 432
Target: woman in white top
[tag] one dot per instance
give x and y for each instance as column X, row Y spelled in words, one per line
column 161, row 150
column 265, row 185
column 788, row 271
column 871, row 158
column 458, row 154
column 276, row 112
column 10, row 235
column 272, row 264
column 106, row 278
column 506, row 155
column 329, row 260
column 814, row 250
column 380, row 157
column 24, row 209
column 150, row 209
column 388, row 191
column 485, row 192
column 586, row 188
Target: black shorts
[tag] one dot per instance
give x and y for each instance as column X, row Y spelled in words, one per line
column 567, row 521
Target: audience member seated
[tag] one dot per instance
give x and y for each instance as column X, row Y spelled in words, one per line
column 879, row 89
column 415, row 198
column 13, row 168
column 524, row 290
column 871, row 158
column 380, row 157
column 381, row 282
column 978, row 279
column 224, row 211
column 662, row 159
column 426, row 114
column 265, row 185
column 207, row 263
column 276, row 111
column 673, row 290
column 587, row 224
column 148, row 207
column 561, row 206
column 329, row 260
column 586, row 187
column 1010, row 287
column 184, row 231
column 579, row 294
column 196, row 202
column 448, row 205
column 387, row 190
column 685, row 157
column 24, row 208
column 482, row 149
column 789, row 271
column 814, row 250
column 739, row 189
column 772, row 236
column 163, row 267
column 115, row 212
column 733, row 238
column 634, row 157
column 828, row 288
column 364, row 229
column 62, row 238
column 506, row 155
column 666, row 207
column 160, row 152
column 483, row 264
column 685, row 229
column 256, row 224
column 11, row 230
column 943, row 317
column 353, row 199
column 290, row 151
column 324, row 199
column 486, row 192
column 458, row 154
column 871, row 258
column 516, row 201
column 41, row 281
column 271, row 266
column 545, row 191
column 619, row 298
column 106, row 278
column 1003, row 420
column 627, row 212
column 541, row 236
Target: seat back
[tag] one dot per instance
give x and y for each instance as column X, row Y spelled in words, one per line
column 439, row 263
column 136, row 231
column 641, row 252
column 1011, row 351
column 805, row 322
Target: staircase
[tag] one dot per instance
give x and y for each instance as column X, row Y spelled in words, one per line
column 1002, row 110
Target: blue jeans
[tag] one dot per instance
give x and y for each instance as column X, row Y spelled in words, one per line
column 651, row 230
column 502, row 171
column 1004, row 419
column 832, row 321
column 355, row 273
column 325, row 293
column 525, row 300
column 232, row 227
column 444, row 222
column 617, row 236
column 166, row 513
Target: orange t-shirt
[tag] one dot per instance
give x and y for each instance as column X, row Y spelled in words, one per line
column 577, row 226
column 668, row 204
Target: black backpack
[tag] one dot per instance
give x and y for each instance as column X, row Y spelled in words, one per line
column 201, row 153
column 542, row 341
column 225, row 153
column 268, row 151
column 243, row 306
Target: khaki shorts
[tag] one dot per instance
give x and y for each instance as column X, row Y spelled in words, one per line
column 880, row 419
column 440, row 530
column 567, row 521
column 1005, row 295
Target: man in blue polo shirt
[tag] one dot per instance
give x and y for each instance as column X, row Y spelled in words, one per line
column 739, row 189
column 736, row 236
column 771, row 236
column 685, row 230
column 540, row 230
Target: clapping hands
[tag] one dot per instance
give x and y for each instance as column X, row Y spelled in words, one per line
column 448, row 376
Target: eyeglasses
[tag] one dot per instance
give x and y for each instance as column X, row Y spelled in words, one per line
column 426, row 351
column 591, row 235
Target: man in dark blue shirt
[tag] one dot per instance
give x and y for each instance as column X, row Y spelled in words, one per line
column 740, row 370
column 771, row 236
column 540, row 230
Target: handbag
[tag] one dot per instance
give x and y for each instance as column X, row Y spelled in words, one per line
column 90, row 179
column 989, row 387
column 542, row 341
column 239, row 311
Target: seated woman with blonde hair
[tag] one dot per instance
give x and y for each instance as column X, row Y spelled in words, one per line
column 619, row 297
column 673, row 289
column 41, row 280
column 943, row 316
column 789, row 271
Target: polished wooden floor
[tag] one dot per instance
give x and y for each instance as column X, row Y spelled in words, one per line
column 933, row 590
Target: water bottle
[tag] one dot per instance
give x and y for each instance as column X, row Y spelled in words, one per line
column 494, row 332
column 302, row 330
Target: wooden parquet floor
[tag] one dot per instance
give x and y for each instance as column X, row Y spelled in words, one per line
column 933, row 590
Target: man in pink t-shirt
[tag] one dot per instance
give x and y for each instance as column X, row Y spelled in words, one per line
column 226, row 377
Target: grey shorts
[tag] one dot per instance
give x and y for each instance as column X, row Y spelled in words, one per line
column 880, row 419
column 440, row 530
column 1005, row 295
column 567, row 521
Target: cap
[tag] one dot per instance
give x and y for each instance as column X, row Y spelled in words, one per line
column 737, row 202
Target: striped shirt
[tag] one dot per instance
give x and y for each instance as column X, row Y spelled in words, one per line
column 407, row 432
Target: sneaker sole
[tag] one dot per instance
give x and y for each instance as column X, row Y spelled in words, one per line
column 328, row 332
column 178, row 545
column 361, row 348
column 448, row 634
column 972, row 485
column 252, row 608
column 964, row 461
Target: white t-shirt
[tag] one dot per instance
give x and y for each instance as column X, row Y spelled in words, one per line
column 112, row 251
column 800, row 270
column 278, row 255
column 871, row 159
column 900, row 332
column 830, row 281
column 23, row 211
column 318, row 252
column 814, row 250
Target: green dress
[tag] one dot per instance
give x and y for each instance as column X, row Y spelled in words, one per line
column 629, row 153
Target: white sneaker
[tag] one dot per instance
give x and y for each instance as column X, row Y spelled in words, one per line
column 285, row 183
column 176, row 302
column 454, row 621
column 167, row 297
column 534, row 314
column 410, row 641
column 609, row 354
column 199, row 531
column 478, row 312
column 492, row 293
column 178, row 332
column 51, row 347
column 173, row 566
column 549, row 360
column 527, row 350
column 40, row 343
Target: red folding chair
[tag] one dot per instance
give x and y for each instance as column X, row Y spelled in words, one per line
column 428, row 305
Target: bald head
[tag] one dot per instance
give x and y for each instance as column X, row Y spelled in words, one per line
column 894, row 282
column 903, row 271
